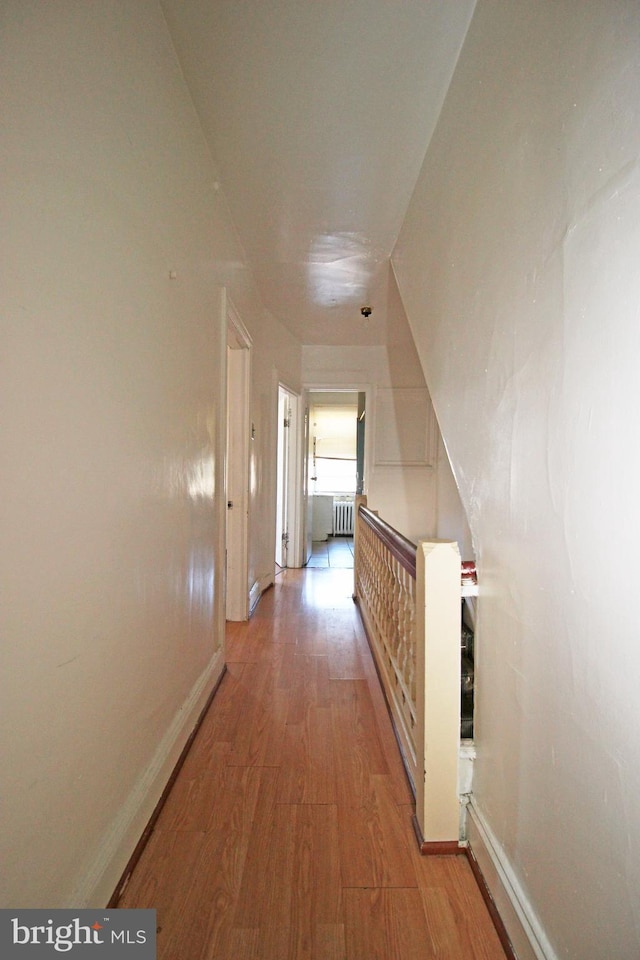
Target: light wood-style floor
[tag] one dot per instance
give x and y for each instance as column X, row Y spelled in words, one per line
column 288, row 833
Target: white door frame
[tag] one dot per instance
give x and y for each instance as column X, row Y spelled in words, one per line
column 369, row 392
column 289, row 482
column 237, row 465
column 297, row 507
column 306, row 501
column 282, row 481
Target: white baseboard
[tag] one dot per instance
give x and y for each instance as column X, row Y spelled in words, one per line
column 523, row 927
column 258, row 589
column 96, row 887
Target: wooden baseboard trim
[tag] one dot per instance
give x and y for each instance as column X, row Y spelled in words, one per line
column 436, row 848
column 148, row 830
column 496, row 919
column 441, row 848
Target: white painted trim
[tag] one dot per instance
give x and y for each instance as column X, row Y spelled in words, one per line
column 388, row 401
column 466, row 760
column 296, row 466
column 220, row 473
column 293, row 480
column 236, row 328
column 437, row 732
column 238, row 400
column 237, row 483
column 258, row 589
column 96, row 887
column 306, row 502
column 521, row 923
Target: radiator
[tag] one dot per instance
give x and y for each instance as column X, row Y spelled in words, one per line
column 343, row 518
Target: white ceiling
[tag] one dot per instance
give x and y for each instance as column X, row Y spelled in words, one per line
column 319, row 114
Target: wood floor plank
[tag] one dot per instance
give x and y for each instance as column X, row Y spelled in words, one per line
column 260, row 736
column 193, row 877
column 301, row 877
column 460, row 925
column 246, row 645
column 221, row 724
column 313, row 638
column 345, row 661
column 208, row 754
column 329, row 942
column 386, row 925
column 242, row 945
column 190, row 806
column 161, row 879
column 203, row 928
column 288, row 629
column 445, row 935
column 376, row 839
column 387, row 736
column 316, row 878
column 287, row 834
column 254, row 886
column 308, row 686
column 276, row 886
column 360, row 754
column 307, row 772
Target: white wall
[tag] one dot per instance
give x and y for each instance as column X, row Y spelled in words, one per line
column 518, row 267
column 451, row 519
column 113, row 432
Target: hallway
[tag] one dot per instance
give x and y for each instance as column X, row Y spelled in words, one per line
column 288, row 831
column 334, row 552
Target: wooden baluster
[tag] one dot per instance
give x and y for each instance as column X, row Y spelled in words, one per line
column 386, row 593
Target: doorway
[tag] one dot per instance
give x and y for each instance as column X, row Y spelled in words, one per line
column 288, row 496
column 336, row 473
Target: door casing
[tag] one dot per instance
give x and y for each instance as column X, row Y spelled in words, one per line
column 237, row 466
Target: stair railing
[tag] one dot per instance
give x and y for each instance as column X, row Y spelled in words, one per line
column 409, row 599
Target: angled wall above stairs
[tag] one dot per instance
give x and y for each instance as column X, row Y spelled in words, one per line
column 518, row 268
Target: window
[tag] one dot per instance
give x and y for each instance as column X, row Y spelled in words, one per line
column 334, row 448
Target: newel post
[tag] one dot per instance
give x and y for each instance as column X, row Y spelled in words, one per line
column 438, row 694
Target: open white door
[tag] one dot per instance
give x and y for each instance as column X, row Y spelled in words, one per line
column 289, row 528
column 284, row 422
column 308, row 485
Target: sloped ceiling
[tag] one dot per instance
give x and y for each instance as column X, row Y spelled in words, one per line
column 319, row 114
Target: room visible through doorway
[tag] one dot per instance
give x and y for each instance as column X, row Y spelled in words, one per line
column 336, row 461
